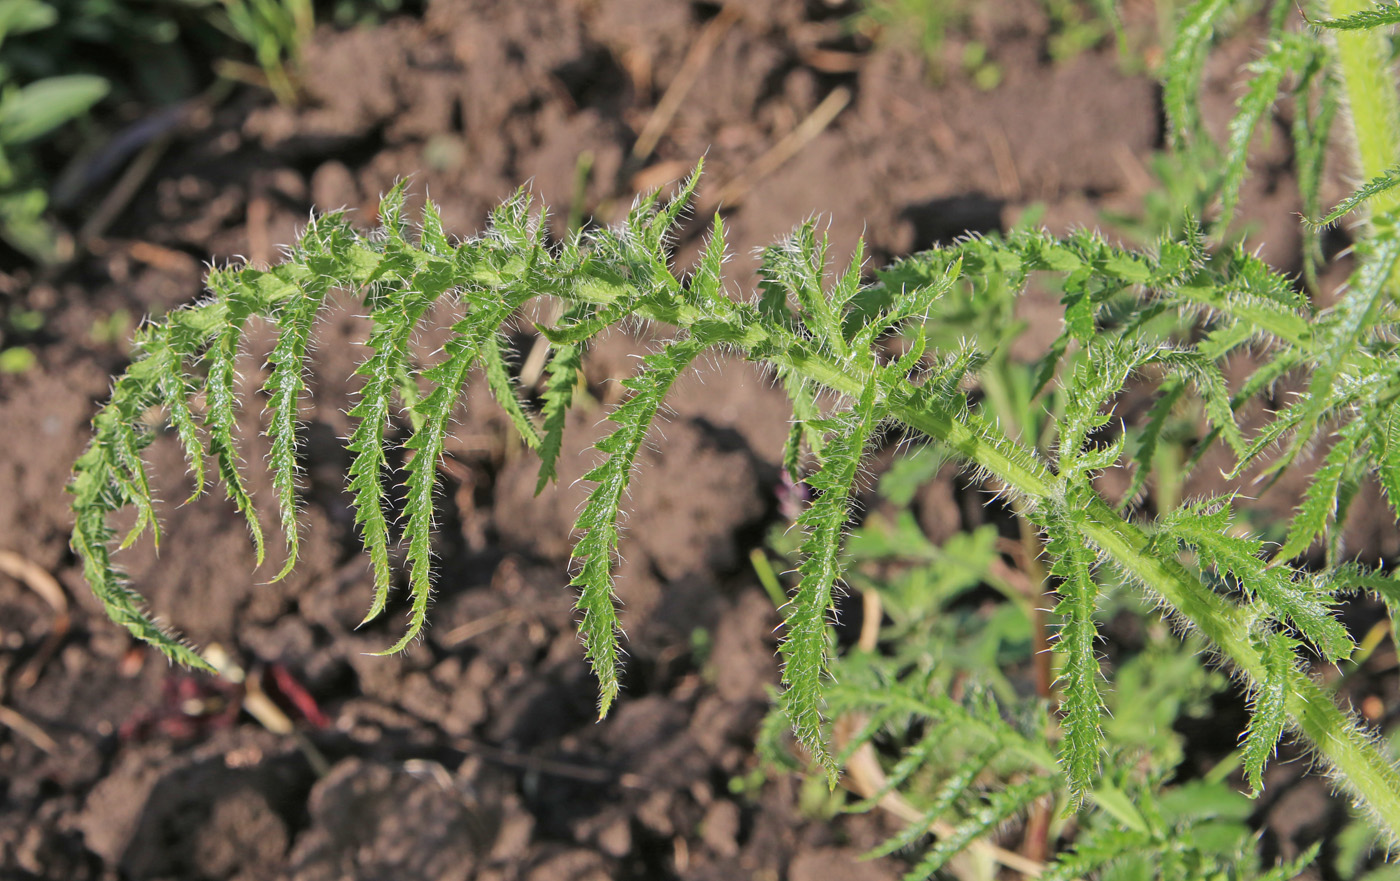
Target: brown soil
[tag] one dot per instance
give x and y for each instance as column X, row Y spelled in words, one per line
column 476, row 754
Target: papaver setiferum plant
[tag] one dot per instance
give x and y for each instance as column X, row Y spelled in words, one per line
column 1165, row 317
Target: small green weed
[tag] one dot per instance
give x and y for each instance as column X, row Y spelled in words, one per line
column 927, row 25
column 30, row 110
column 275, row 30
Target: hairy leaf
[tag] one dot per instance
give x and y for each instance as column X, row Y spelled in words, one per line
column 1290, row 52
column 1373, row 187
column 1080, row 701
column 1209, row 530
column 1320, row 501
column 1269, row 713
column 1349, row 322
column 561, row 382
column 1184, row 66
column 1377, row 16
column 957, row 786
column 285, row 385
column 999, row 807
column 598, row 522
column 806, row 645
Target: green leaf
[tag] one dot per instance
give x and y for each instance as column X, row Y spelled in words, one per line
column 598, row 523
column 795, row 268
column 1119, row 805
column 1311, row 132
column 1387, row 180
column 1290, row 52
column 1091, row 855
column 42, row 106
column 1081, row 748
column 1215, row 395
column 1377, row 16
column 1148, row 439
column 1289, row 870
column 957, row 786
column 1269, row 713
column 1079, row 314
column 449, row 377
column 1208, row 528
column 395, row 319
column 1386, row 447
column 805, row 413
column 24, row 16
column 1320, row 501
column 503, row 389
column 1098, row 376
column 285, row 384
column 239, row 295
column 1346, row 325
column 562, row 379
column 806, row 646
column 1184, row 66
column 999, row 807
column 911, row 303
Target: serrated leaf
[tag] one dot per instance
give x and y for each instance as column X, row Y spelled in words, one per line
column 795, row 268
column 1386, row 447
column 805, row 647
column 1320, row 500
column 956, row 786
column 1311, row 132
column 1150, row 436
column 1091, row 855
column 285, row 384
column 391, row 214
column 999, row 807
column 1386, row 180
column 910, row 303
column 562, row 379
column 426, row 444
column 706, row 286
column 1079, row 314
column 1098, row 376
column 503, row 389
column 1208, row 528
column 1205, row 375
column 1348, row 322
column 394, row 323
column 911, row 760
column 1081, row 704
column 1289, row 52
column 222, row 402
column 1269, row 713
column 1182, row 70
column 1377, row 16
column 805, row 413
column 598, row 522
column 431, row 237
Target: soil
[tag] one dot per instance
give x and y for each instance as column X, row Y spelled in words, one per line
column 477, row 754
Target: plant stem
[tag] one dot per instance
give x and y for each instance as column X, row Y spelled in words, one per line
column 1362, row 765
column 1367, row 771
column 1363, row 58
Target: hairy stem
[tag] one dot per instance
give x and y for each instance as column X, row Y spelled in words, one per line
column 1364, row 62
column 1361, row 764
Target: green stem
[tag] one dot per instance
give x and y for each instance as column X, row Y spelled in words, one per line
column 1363, row 767
column 1363, row 58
